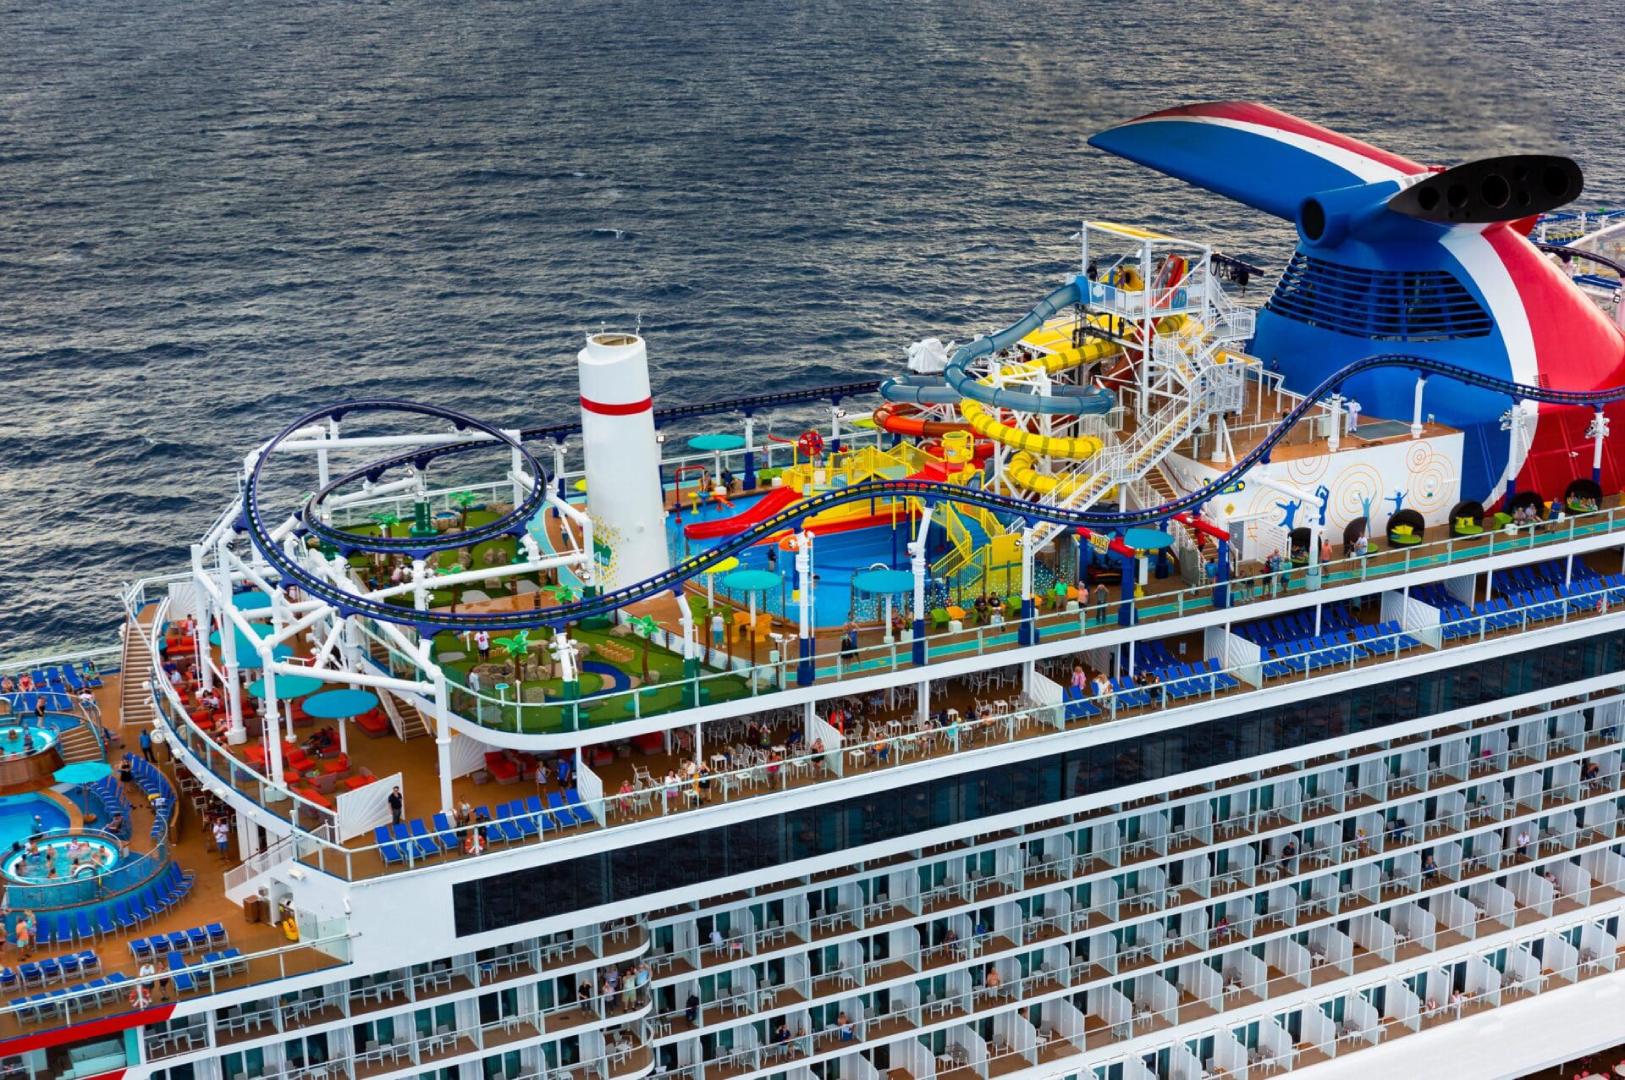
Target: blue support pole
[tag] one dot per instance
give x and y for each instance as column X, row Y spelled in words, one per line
column 1028, row 632
column 1221, row 576
column 1125, row 612
column 750, row 453
column 804, row 662
column 919, row 642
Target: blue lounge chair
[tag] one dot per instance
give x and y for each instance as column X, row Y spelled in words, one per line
column 404, row 840
column 506, row 825
column 420, row 834
column 386, row 847
column 444, row 833
column 184, row 983
column 583, row 816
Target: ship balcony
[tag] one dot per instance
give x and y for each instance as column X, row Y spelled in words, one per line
column 1297, row 929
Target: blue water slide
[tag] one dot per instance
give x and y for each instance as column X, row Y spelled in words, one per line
column 1063, row 398
column 967, row 385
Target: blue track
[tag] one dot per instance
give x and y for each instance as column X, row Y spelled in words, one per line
column 254, row 522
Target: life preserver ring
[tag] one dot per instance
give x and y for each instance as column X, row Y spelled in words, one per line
column 811, row 444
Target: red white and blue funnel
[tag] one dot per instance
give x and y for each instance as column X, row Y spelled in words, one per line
column 1398, row 257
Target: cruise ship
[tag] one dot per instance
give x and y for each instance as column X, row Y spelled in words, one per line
column 1216, row 672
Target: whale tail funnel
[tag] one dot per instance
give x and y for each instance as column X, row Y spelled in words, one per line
column 1395, row 256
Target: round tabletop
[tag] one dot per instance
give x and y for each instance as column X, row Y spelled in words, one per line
column 336, row 704
column 248, row 649
column 287, row 686
column 751, row 580
column 1147, row 539
column 883, row 580
column 719, row 440
column 251, row 601
column 261, row 630
column 723, row 567
column 247, row 658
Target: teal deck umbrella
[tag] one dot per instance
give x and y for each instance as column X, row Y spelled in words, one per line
column 340, row 705
column 751, row 582
column 79, row 775
column 884, row 582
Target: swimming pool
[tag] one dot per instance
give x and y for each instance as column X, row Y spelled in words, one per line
column 33, row 740
column 17, row 814
column 71, row 856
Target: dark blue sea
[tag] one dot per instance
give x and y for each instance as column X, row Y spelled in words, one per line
column 216, row 215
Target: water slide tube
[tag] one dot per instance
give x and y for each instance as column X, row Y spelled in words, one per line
column 1024, row 471
column 902, row 419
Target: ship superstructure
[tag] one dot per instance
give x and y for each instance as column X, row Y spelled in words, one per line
column 1137, row 691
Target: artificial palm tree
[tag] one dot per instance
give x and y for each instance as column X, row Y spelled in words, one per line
column 515, row 648
column 644, row 626
column 386, row 520
column 464, row 500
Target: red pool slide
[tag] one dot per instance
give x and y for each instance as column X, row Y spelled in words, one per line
column 767, row 505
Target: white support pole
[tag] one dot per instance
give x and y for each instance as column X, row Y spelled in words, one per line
column 420, row 585
column 1416, row 407
column 1334, row 437
column 516, row 467
column 236, row 730
column 806, row 643
column 442, row 728
column 271, row 726
column 916, row 553
column 1313, row 571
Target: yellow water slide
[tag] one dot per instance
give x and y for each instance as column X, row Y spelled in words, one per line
column 1055, row 336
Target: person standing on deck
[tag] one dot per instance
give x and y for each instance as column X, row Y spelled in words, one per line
column 397, row 806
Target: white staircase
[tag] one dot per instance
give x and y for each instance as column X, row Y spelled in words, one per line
column 135, row 701
column 1197, row 372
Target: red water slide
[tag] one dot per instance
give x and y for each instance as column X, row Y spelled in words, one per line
column 768, row 504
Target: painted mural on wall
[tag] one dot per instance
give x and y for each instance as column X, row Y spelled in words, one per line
column 1360, row 480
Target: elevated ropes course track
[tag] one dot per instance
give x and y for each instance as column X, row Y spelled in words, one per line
column 254, row 523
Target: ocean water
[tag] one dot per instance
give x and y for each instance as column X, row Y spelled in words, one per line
column 216, row 215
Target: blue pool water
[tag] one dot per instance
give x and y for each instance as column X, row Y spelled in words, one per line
column 12, row 739
column 17, row 813
column 836, row 557
column 96, row 856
